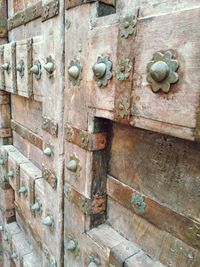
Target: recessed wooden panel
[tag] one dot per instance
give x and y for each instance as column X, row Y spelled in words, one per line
column 158, row 166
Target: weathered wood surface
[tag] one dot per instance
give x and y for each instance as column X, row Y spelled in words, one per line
column 56, row 122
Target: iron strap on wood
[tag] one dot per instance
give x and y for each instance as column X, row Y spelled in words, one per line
column 33, row 12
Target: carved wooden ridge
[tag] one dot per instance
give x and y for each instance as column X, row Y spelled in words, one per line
column 74, row 3
column 33, row 12
column 27, row 134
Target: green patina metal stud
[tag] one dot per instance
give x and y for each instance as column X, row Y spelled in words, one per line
column 127, row 26
column 138, row 203
column 75, row 72
column 123, row 68
column 102, row 70
column 161, row 72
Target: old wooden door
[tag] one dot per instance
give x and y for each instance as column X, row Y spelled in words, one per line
column 99, row 133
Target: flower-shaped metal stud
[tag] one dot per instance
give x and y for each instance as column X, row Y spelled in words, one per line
column 138, row 203
column 127, row 26
column 161, row 72
column 123, row 69
column 75, row 72
column 102, row 70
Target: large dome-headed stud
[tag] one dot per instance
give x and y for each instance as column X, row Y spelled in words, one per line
column 161, row 72
column 49, row 66
column 99, row 70
column 20, row 68
column 75, row 72
column 72, row 165
column 102, row 70
column 36, row 69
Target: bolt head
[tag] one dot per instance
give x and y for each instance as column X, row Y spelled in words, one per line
column 159, row 71
column 99, row 70
column 74, row 72
column 72, row 165
column 35, row 69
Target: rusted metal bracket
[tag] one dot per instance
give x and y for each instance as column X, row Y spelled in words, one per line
column 5, row 132
column 50, row 126
column 3, row 28
column 23, row 17
column 27, row 134
column 50, row 10
column 84, row 139
column 31, row 13
column 49, row 176
column 97, row 205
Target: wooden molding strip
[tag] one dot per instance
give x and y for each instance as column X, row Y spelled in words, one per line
column 161, row 216
column 27, row 134
column 33, row 12
column 84, row 139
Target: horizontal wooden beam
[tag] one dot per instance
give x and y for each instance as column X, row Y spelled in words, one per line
column 25, row 133
column 161, row 216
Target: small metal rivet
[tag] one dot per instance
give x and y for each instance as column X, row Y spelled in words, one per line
column 36, row 206
column 22, row 190
column 71, row 245
column 48, row 221
column 6, row 66
column 10, row 174
column 14, row 255
column 34, row 69
column 1, row 228
column 49, row 67
column 5, row 237
column 74, row 72
column 1, row 162
column 47, row 151
column 72, row 165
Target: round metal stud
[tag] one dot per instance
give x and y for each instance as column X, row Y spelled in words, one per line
column 47, row 151
column 1, row 228
column 73, row 72
column 92, row 264
column 102, row 70
column 49, row 66
column 49, row 221
column 36, row 206
column 14, row 255
column 20, row 68
column 71, row 245
column 10, row 174
column 22, row 190
column 36, row 69
column 1, row 162
column 6, row 66
column 161, row 71
column 99, row 70
column 72, row 165
column 5, row 237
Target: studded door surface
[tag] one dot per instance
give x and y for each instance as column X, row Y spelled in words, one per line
column 99, row 133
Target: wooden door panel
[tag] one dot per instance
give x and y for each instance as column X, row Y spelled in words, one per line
column 179, row 107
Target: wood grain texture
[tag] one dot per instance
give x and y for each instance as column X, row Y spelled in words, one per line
column 157, row 166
